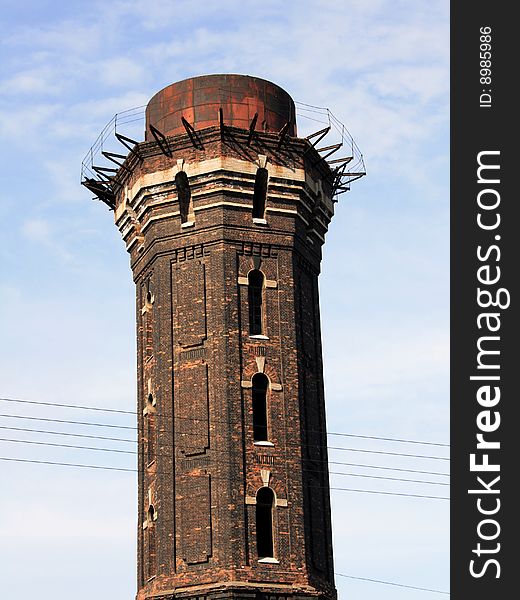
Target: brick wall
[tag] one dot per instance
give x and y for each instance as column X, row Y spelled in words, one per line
column 199, row 467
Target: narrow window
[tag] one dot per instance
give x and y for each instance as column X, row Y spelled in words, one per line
column 255, row 293
column 260, row 193
column 259, row 396
column 184, row 194
column 149, row 299
column 264, row 522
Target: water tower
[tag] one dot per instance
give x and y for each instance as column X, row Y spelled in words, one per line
column 224, row 210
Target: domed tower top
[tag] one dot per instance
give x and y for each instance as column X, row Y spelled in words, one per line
column 199, row 99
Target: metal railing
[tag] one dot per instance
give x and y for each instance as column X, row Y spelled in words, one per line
column 127, row 128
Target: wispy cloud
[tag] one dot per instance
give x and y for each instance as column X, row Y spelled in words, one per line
column 119, row 71
column 40, row 232
column 42, row 81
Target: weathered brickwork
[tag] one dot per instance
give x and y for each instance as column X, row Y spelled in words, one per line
column 200, row 467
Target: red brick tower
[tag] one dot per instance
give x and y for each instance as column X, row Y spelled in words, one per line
column 223, row 210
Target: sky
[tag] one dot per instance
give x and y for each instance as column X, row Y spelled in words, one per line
column 68, row 322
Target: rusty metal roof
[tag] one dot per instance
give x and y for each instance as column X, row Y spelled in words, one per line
column 241, row 97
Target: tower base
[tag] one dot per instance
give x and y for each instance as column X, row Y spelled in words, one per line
column 240, row 591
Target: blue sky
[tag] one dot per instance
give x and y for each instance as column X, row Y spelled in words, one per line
column 67, row 323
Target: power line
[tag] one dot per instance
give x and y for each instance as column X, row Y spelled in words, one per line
column 67, row 421
column 402, row 585
column 68, row 434
column 46, row 462
column 134, row 470
column 42, row 462
column 331, row 462
column 115, row 439
column 387, row 439
column 388, row 453
column 88, row 423
column 62, row 464
column 389, row 478
column 134, row 453
column 390, row 493
column 53, row 445
column 79, row 406
column 131, row 412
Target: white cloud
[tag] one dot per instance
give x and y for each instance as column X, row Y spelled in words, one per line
column 388, row 83
column 10, row 294
column 37, row 230
column 109, row 105
column 119, row 71
column 40, row 232
column 59, row 38
column 64, row 178
column 387, row 363
column 413, row 84
column 22, row 124
column 33, row 81
column 52, row 523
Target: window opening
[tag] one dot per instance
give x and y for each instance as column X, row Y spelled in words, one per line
column 184, row 194
column 264, row 522
column 260, row 193
column 259, row 398
column 151, row 514
column 255, row 293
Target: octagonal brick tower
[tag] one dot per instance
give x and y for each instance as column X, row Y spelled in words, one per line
column 224, row 210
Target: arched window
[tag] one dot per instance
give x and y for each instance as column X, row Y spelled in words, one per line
column 264, row 522
column 259, row 397
column 149, row 299
column 151, row 514
column 260, row 193
column 184, row 194
column 255, row 293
